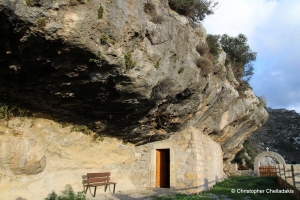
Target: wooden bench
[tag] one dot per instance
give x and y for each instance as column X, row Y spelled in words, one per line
column 98, row 179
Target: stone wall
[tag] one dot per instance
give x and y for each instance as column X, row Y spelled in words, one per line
column 232, row 170
column 242, row 173
column 59, row 156
column 288, row 176
column 296, row 176
column 196, row 162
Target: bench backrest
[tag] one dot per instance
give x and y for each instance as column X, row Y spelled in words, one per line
column 98, row 177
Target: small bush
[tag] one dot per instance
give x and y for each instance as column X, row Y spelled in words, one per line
column 104, row 39
column 8, row 111
column 128, row 61
column 195, row 9
column 243, row 86
column 205, row 65
column 180, row 70
column 262, row 102
column 156, row 65
column 252, row 151
column 100, row 55
column 41, row 23
column 157, row 19
column 29, row 2
column 67, row 194
column 99, row 138
column 149, row 9
column 213, row 44
column 83, row 129
column 202, row 48
column 100, row 11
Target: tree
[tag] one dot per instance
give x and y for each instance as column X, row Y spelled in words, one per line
column 213, row 44
column 239, row 55
column 195, row 9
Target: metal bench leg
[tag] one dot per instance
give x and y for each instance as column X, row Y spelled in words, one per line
column 105, row 188
column 95, row 191
column 114, row 188
column 87, row 187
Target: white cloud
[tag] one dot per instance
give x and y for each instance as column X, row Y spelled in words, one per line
column 242, row 16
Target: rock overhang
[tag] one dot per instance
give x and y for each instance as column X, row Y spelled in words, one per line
column 81, row 80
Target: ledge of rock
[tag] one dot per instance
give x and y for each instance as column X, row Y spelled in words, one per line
column 123, row 75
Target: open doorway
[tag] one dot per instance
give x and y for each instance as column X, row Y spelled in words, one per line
column 163, row 168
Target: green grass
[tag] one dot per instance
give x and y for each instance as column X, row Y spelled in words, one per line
column 183, row 197
column 241, row 182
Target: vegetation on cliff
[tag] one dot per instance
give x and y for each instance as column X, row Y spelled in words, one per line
column 195, row 9
column 239, row 56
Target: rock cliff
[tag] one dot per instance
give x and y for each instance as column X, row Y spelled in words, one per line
column 280, row 134
column 125, row 68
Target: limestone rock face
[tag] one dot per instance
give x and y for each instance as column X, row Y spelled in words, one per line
column 280, row 134
column 196, row 161
column 21, row 156
column 130, row 73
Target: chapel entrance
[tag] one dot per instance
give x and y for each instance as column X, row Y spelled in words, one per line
column 163, row 168
column 266, row 170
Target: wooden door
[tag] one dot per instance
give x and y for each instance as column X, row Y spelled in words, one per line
column 162, row 168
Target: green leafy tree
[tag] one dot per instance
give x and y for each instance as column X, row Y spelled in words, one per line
column 239, row 55
column 195, row 9
column 213, row 44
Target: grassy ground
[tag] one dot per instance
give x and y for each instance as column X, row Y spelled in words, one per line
column 223, row 190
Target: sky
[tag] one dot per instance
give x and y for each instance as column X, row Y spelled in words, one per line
column 273, row 31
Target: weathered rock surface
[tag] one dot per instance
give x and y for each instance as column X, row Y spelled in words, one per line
column 59, row 59
column 21, row 156
column 72, row 154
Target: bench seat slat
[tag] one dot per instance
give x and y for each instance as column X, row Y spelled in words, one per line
column 102, row 174
column 93, row 180
column 100, row 184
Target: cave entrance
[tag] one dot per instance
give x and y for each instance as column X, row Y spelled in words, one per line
column 163, row 168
